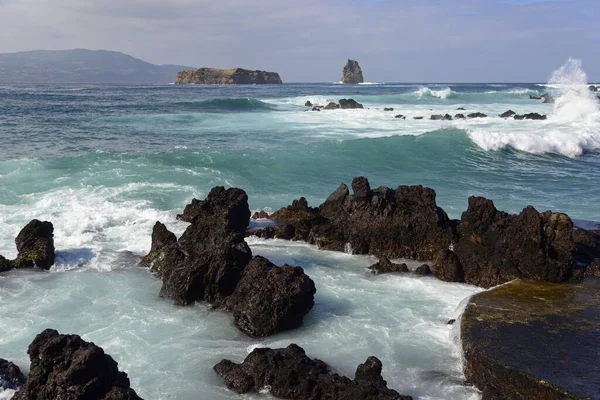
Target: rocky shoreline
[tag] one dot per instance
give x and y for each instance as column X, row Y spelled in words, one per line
column 211, row 262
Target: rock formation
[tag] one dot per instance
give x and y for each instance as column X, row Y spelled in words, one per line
column 271, row 299
column 212, row 262
column 68, row 368
column 385, row 266
column 343, row 104
column 290, row 374
column 35, row 247
column 400, row 223
column 534, row 116
column 495, row 247
column 534, row 341
column 10, row 376
column 424, row 269
column 236, row 76
column 508, row 114
column 352, row 73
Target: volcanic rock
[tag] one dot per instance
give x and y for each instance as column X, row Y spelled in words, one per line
column 508, row 114
column 350, row 103
column 385, row 266
column 331, row 106
column 35, row 245
column 436, row 117
column 10, row 376
column 459, row 116
column 290, row 374
column 417, row 117
column 533, row 116
column 352, row 73
column 400, row 116
column 308, row 104
column 476, row 115
column 424, row 270
column 388, row 109
column 68, row 368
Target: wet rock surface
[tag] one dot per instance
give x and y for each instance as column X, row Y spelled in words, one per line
column 35, row 245
column 424, row 269
column 534, row 340
column 290, row 374
column 68, row 368
column 11, row 376
column 385, row 266
column 270, row 299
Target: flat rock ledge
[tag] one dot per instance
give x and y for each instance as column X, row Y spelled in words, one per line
column 534, row 340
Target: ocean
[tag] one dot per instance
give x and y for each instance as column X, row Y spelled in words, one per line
column 105, row 162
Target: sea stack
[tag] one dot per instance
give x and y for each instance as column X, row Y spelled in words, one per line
column 352, row 73
column 235, row 76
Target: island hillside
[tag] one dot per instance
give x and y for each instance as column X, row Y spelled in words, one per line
column 235, row 76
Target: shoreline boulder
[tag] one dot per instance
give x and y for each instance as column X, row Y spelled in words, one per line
column 35, row 245
column 290, row 374
column 269, row 299
column 68, row 368
column 385, row 266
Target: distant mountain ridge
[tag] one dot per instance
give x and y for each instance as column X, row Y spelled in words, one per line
column 82, row 66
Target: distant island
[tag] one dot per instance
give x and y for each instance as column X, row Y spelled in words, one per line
column 235, row 76
column 82, row 66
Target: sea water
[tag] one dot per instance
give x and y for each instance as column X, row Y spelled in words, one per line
column 104, row 163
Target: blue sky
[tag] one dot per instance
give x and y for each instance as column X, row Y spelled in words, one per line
column 394, row 40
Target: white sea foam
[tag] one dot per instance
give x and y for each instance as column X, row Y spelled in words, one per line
column 440, row 94
column 572, row 127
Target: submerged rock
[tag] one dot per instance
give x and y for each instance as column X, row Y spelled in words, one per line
column 417, row 117
column 35, row 245
column 385, row 266
column 593, row 88
column 533, row 116
column 269, row 299
column 534, row 341
column 308, row 104
column 459, row 116
column 436, row 117
column 352, row 73
column 68, row 368
column 424, row 269
column 317, row 108
column 495, row 247
column 400, row 223
column 508, row 114
column 290, row 374
column 400, row 116
column 10, row 376
column 388, row 109
column 331, row 106
column 477, row 115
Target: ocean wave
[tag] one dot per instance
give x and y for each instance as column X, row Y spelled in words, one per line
column 228, row 105
column 427, row 92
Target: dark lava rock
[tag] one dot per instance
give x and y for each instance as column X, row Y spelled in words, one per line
column 460, row 109
column 267, row 232
column 10, row 376
column 424, row 270
column 269, row 299
column 5, row 265
column 400, row 116
column 331, row 106
column 317, row 108
column 587, row 254
column 533, row 116
column 385, row 266
column 290, row 374
column 350, row 103
column 401, row 223
column 35, row 245
column 451, row 322
column 508, row 114
column 388, row 109
column 534, row 341
column 417, row 117
column 436, row 117
column 448, row 117
column 534, row 97
column 66, row 367
column 593, row 88
column 308, row 104
column 476, row 115
column 207, row 262
column 260, row 215
column 459, row 116
column 495, row 247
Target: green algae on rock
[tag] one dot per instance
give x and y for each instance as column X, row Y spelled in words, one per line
column 534, row 340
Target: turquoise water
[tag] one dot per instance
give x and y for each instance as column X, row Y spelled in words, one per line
column 103, row 163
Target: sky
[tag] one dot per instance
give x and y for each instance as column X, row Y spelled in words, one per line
column 310, row 40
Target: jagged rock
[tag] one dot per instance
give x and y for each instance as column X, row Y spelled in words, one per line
column 206, row 263
column 270, row 299
column 10, row 376
column 436, row 117
column 317, row 108
column 35, row 245
column 352, row 73
column 308, row 104
column 331, row 106
column 385, row 266
column 417, row 117
column 508, row 114
column 235, row 76
column 350, row 103
column 290, row 374
column 388, row 109
column 476, row 115
column 424, row 270
column 534, row 116
column 260, row 215
column 593, row 88
column 460, row 109
column 587, row 254
column 495, row 247
column 401, row 223
column 162, row 240
column 5, row 265
column 448, row 117
column 66, row 367
column 400, row 116
column 267, row 232
column 459, row 116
